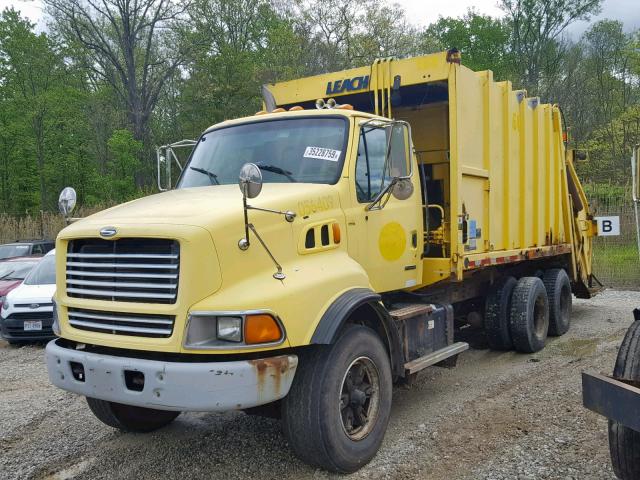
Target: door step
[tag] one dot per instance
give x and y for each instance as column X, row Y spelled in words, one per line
column 410, row 311
column 421, row 363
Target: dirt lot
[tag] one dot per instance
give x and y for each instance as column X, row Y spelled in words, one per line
column 496, row 416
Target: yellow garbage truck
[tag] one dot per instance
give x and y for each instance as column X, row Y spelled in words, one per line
column 315, row 253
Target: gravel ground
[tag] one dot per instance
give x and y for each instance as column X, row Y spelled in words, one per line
column 498, row 415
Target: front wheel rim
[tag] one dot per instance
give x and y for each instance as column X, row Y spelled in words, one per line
column 359, row 398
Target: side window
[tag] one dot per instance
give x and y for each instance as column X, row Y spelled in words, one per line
column 370, row 163
column 37, row 249
column 399, row 162
column 373, row 172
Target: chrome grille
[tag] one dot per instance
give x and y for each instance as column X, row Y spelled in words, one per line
column 125, row 270
column 135, row 324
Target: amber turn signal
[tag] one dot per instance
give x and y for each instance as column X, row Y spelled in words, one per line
column 336, row 232
column 261, row 328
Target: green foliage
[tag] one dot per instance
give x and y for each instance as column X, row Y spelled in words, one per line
column 536, row 37
column 41, row 124
column 123, row 165
column 606, row 192
column 482, row 40
column 84, row 104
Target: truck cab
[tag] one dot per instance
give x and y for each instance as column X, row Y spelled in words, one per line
column 187, row 278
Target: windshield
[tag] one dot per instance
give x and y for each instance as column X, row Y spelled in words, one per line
column 15, row 270
column 307, row 150
column 44, row 273
column 9, row 251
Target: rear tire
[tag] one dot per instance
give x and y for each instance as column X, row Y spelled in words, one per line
column 556, row 282
column 336, row 413
column 529, row 316
column 496, row 315
column 624, row 443
column 129, row 418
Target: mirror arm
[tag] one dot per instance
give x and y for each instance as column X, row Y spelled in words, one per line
column 244, row 243
column 158, row 162
column 289, row 216
column 378, row 200
column 278, row 275
column 246, row 223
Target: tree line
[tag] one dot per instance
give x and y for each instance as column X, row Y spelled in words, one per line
column 86, row 101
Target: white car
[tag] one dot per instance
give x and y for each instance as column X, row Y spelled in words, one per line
column 27, row 310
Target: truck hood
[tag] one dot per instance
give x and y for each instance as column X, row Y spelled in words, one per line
column 210, row 206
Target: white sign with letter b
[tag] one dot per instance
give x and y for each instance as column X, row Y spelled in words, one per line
column 608, row 226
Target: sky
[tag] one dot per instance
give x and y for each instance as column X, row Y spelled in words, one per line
column 424, row 12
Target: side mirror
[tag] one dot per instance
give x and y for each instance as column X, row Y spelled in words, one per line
column 67, row 201
column 250, row 180
column 402, row 189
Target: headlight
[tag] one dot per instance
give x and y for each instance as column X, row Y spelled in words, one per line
column 5, row 303
column 224, row 329
column 230, row 329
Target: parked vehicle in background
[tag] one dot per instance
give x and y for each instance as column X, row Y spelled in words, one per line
column 13, row 271
column 27, row 311
column 25, row 248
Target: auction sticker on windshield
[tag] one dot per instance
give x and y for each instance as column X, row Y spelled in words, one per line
column 30, row 325
column 322, row 153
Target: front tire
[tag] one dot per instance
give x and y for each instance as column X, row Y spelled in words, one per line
column 129, row 418
column 624, row 443
column 336, row 413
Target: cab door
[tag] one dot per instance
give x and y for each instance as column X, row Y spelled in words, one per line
column 389, row 233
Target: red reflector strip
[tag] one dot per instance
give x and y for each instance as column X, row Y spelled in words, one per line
column 537, row 253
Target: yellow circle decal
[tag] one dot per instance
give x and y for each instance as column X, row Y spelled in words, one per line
column 392, row 241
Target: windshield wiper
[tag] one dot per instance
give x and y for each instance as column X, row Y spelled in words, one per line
column 4, row 277
column 212, row 176
column 278, row 170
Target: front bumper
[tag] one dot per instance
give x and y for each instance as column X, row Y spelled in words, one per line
column 13, row 329
column 177, row 386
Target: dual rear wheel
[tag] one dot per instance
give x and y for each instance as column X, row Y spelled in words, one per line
column 520, row 314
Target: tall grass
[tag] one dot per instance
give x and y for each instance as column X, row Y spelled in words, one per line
column 28, row 227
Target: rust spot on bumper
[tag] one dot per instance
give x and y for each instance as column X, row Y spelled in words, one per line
column 273, row 367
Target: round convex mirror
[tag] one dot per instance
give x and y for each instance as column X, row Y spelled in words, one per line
column 67, row 201
column 250, row 180
column 403, row 189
